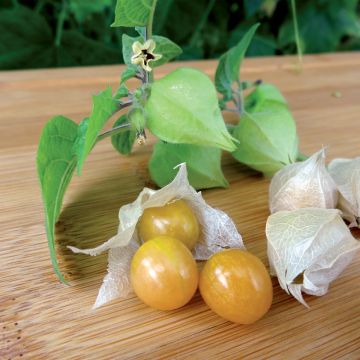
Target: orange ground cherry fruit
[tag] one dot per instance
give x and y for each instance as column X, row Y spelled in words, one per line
column 164, row 274
column 236, row 285
column 175, row 219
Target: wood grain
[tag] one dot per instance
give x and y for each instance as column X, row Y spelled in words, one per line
column 43, row 319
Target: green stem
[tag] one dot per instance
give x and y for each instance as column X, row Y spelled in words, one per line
column 296, row 31
column 60, row 24
column 148, row 35
column 15, row 3
column 116, row 130
column 149, row 26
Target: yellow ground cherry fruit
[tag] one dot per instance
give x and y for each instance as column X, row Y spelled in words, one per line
column 175, row 219
column 236, row 285
column 164, row 274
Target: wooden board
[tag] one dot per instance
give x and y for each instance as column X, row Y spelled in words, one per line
column 43, row 319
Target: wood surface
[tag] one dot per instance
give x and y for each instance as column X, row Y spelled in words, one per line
column 43, row 319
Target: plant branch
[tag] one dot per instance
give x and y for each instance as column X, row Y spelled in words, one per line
column 115, row 130
column 124, row 104
column 60, row 23
column 149, row 26
column 149, row 77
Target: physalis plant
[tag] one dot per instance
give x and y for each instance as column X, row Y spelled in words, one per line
column 182, row 110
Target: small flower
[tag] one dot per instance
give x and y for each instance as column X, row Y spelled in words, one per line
column 143, row 54
column 141, row 137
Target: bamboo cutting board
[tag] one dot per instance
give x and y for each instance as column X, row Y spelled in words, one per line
column 43, row 319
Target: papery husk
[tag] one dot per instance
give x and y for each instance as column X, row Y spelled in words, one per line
column 303, row 184
column 308, row 249
column 218, row 231
column 346, row 173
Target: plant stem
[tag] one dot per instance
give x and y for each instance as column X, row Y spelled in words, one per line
column 60, row 23
column 149, row 77
column 149, row 26
column 296, row 31
column 115, row 130
column 15, row 3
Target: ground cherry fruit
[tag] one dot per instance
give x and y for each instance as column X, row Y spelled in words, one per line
column 164, row 274
column 236, row 285
column 175, row 219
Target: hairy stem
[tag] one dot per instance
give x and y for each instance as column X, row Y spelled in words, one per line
column 60, row 23
column 149, row 77
column 149, row 26
column 115, row 130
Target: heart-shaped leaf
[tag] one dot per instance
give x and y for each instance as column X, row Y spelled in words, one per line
column 55, row 166
column 203, row 164
column 228, row 68
column 131, row 13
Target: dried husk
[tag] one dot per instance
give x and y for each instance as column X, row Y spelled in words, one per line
column 346, row 173
column 308, row 249
column 218, row 231
column 303, row 184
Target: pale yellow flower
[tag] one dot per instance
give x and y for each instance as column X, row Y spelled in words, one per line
column 143, row 54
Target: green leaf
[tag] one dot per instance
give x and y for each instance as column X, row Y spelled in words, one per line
column 78, row 147
column 321, row 26
column 33, row 45
column 167, row 48
column 261, row 45
column 84, row 8
column 183, row 108
column 266, row 132
column 124, row 141
column 128, row 73
column 252, row 6
column 141, row 30
column 228, row 68
column 55, row 166
column 127, row 52
column 121, row 92
column 203, row 164
column 131, row 13
column 104, row 106
column 19, row 43
column 164, row 46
